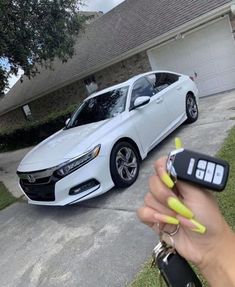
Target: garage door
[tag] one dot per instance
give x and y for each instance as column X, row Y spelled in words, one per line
column 209, row 52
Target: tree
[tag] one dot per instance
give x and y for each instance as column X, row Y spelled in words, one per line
column 34, row 32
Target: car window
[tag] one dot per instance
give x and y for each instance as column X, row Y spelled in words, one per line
column 100, row 108
column 161, row 81
column 141, row 88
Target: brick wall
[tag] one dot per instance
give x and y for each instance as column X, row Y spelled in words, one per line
column 123, row 71
column 58, row 101
column 76, row 92
column 12, row 119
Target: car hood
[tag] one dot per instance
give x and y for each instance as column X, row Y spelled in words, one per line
column 62, row 146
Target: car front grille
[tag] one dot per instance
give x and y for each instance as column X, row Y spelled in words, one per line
column 39, row 192
column 39, row 185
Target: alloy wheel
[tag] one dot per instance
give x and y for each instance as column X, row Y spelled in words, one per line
column 192, row 107
column 126, row 163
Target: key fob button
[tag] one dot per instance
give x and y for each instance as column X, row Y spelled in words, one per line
column 200, row 174
column 191, row 166
column 202, row 164
column 209, row 172
column 219, row 172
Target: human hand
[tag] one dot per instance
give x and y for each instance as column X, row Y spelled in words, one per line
column 203, row 230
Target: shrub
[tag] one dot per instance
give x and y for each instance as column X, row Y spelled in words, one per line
column 33, row 132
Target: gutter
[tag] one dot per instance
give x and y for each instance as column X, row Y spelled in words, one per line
column 195, row 23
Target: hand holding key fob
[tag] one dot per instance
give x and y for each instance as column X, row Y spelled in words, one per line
column 197, row 168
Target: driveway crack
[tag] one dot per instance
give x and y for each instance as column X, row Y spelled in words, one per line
column 110, row 208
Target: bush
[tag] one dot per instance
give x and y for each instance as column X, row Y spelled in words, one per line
column 33, row 132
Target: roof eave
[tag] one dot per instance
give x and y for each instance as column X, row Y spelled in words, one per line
column 222, row 10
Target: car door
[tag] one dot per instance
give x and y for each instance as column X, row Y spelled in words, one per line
column 149, row 120
column 170, row 85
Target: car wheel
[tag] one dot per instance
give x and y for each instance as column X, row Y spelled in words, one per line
column 124, row 164
column 191, row 109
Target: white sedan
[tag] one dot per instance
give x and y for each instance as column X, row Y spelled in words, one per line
column 103, row 143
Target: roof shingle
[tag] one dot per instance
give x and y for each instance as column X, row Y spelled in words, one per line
column 124, row 28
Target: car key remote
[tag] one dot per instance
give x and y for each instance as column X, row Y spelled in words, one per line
column 204, row 170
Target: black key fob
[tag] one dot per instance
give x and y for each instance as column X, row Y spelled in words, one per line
column 204, row 170
column 176, row 271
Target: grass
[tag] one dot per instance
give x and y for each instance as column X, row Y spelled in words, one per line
column 148, row 277
column 6, row 198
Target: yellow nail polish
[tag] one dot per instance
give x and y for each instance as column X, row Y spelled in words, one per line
column 178, row 143
column 199, row 228
column 171, row 220
column 167, row 180
column 176, row 205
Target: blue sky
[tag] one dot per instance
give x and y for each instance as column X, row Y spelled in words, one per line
column 101, row 5
column 91, row 5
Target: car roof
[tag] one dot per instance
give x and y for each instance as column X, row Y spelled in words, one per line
column 127, row 83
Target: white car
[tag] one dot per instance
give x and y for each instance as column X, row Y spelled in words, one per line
column 103, row 143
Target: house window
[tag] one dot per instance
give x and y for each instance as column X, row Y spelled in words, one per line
column 91, row 84
column 27, row 112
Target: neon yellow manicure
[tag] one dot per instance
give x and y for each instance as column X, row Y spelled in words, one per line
column 171, row 220
column 178, row 143
column 199, row 228
column 179, row 207
column 167, row 180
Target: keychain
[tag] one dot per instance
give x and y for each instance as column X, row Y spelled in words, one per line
column 174, row 269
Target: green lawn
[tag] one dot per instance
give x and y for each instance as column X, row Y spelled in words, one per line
column 148, row 277
column 5, row 197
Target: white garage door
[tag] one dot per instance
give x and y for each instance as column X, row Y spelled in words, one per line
column 210, row 52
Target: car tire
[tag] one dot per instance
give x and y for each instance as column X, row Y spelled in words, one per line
column 191, row 109
column 124, row 164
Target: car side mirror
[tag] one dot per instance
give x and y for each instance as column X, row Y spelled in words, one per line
column 141, row 101
column 67, row 121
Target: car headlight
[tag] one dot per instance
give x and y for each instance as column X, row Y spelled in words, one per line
column 74, row 164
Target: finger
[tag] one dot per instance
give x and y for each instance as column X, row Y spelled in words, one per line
column 192, row 224
column 165, row 219
column 146, row 215
column 151, row 202
column 159, row 190
column 186, row 190
column 166, row 197
column 150, row 217
column 160, row 163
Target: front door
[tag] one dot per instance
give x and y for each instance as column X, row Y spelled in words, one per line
column 149, row 120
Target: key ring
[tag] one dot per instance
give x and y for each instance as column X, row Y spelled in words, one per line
column 170, row 235
column 174, row 231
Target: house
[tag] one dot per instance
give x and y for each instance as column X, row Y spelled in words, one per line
column 195, row 37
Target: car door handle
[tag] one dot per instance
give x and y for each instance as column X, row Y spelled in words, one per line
column 179, row 88
column 159, row 100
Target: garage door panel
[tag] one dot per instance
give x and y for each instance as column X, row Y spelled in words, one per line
column 226, row 80
column 225, row 64
column 209, row 51
column 210, row 83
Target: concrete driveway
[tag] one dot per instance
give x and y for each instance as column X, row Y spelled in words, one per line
column 99, row 242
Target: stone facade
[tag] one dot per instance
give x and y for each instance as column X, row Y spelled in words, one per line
column 72, row 94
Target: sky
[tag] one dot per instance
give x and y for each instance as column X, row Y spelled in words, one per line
column 91, row 5
column 101, row 5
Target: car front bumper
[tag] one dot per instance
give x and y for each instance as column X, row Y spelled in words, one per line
column 89, row 181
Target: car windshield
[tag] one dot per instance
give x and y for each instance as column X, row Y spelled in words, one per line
column 100, row 108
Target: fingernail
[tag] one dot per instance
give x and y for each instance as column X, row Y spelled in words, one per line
column 172, row 220
column 167, row 180
column 178, row 143
column 176, row 205
column 199, row 228
column 166, row 219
